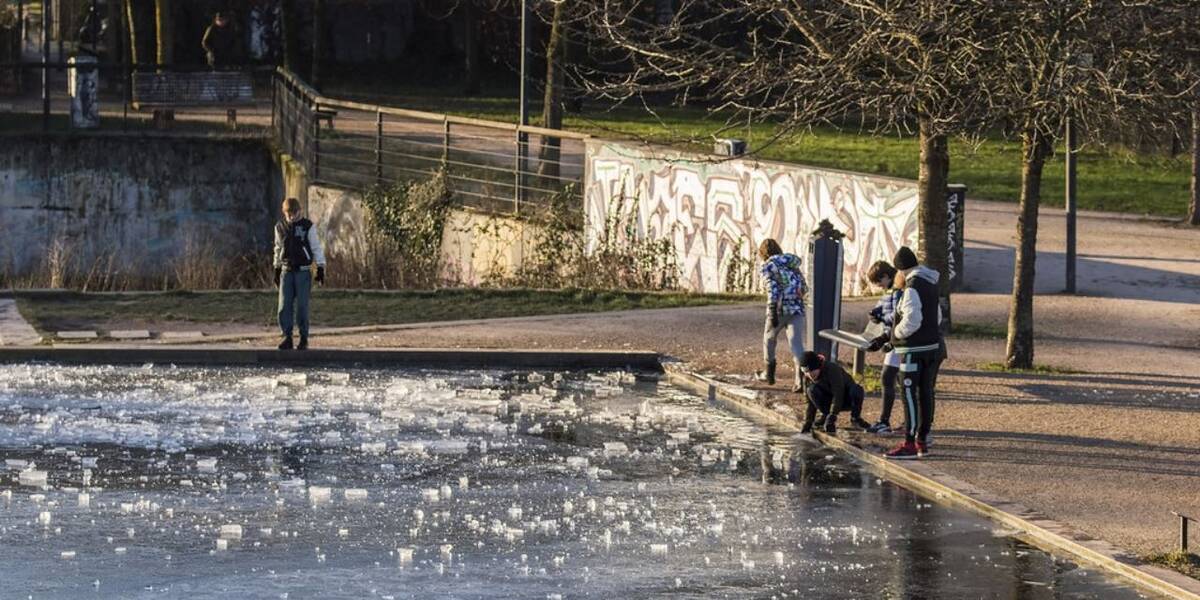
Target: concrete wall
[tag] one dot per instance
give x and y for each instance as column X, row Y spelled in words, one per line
column 476, row 247
column 141, row 197
column 714, row 210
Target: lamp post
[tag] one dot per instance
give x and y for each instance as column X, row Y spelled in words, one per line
column 1082, row 60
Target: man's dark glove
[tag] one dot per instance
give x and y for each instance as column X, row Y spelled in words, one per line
column 831, row 424
column 876, row 315
column 878, row 343
column 773, row 317
column 278, row 275
column 321, row 275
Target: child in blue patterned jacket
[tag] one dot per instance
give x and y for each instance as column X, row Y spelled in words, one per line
column 786, row 294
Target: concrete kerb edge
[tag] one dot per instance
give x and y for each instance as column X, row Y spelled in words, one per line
column 399, row 357
column 1030, row 526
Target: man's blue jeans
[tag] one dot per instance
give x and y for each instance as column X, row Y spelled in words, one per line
column 294, row 288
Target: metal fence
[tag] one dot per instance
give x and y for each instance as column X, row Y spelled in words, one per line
column 493, row 166
column 35, row 96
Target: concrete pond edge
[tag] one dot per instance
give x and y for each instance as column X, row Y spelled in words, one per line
column 397, row 357
column 923, row 478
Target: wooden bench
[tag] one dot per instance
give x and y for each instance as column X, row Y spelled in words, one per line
column 163, row 92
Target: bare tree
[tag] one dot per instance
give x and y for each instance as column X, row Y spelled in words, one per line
column 164, row 32
column 1064, row 59
column 879, row 67
column 552, row 100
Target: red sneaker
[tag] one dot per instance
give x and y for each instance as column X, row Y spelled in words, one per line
column 905, row 451
column 922, row 449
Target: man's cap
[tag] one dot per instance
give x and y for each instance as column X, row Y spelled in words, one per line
column 811, row 361
column 904, row 259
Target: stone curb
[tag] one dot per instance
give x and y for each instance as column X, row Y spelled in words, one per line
column 428, row 357
column 923, row 478
column 317, row 332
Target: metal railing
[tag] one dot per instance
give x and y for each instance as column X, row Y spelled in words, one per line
column 493, row 166
column 36, row 97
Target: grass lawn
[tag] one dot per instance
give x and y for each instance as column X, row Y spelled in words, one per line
column 50, row 312
column 1109, row 179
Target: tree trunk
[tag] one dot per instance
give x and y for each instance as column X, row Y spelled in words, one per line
column 933, row 239
column 287, row 19
column 1019, row 350
column 470, row 17
column 318, row 42
column 131, row 27
column 552, row 111
column 164, row 32
column 1194, row 208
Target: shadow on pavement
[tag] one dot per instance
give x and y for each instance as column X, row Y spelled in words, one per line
column 989, row 270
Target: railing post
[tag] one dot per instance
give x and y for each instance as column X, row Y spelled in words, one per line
column 316, row 141
column 379, row 147
column 517, row 173
column 445, row 139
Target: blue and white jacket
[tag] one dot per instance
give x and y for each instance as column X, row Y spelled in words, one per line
column 786, row 287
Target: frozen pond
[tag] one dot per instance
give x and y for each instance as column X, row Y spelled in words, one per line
column 158, row 482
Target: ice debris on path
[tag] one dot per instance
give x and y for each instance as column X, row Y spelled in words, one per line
column 355, row 494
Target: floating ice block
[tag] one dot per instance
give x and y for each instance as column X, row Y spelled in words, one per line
column 207, row 465
column 44, row 518
column 293, row 379
column 463, row 483
column 431, row 494
column 231, row 532
column 615, row 449
column 68, row 554
column 318, row 493
column 84, row 500
column 660, row 549
column 222, row 544
column 356, row 494
column 32, row 478
column 577, row 462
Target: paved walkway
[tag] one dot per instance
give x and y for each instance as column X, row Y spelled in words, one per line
column 15, row 330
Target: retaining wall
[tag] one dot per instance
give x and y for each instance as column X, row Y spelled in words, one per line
column 142, row 199
column 713, row 210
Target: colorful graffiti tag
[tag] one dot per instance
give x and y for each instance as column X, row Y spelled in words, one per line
column 716, row 210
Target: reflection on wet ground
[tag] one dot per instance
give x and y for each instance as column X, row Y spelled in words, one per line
column 221, row 483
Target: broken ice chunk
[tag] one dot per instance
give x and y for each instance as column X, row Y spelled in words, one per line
column 577, row 462
column 206, row 465
column 356, row 494
column 292, row 379
column 231, row 532
column 44, row 518
column 32, row 478
column 405, row 555
column 430, row 494
column 318, row 493
column 615, row 449
column 68, row 554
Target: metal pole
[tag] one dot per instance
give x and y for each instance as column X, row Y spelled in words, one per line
column 45, row 66
column 1183, row 533
column 1071, row 189
column 379, row 147
column 58, row 21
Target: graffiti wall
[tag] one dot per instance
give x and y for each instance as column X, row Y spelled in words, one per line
column 714, row 211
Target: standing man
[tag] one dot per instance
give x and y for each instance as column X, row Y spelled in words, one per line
column 917, row 340
column 220, row 42
column 297, row 248
column 786, row 290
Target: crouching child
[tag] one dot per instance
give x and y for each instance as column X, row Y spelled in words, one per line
column 829, row 390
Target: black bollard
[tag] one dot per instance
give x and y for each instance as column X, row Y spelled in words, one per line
column 825, row 288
